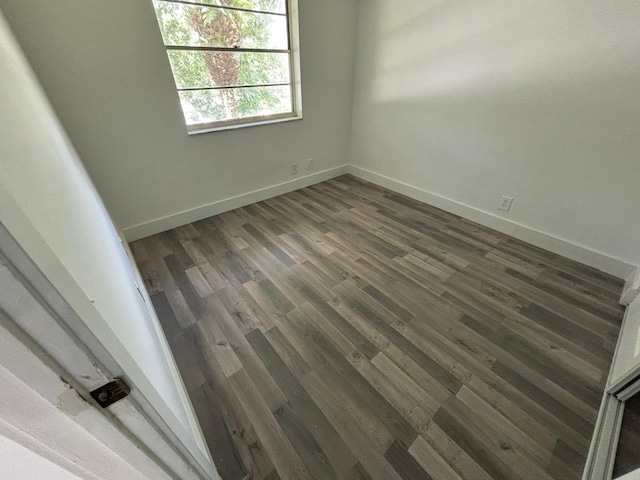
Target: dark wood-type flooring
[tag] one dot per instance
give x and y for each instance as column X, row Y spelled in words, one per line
column 344, row 331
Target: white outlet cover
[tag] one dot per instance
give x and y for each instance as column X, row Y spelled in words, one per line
column 294, row 168
column 505, row 203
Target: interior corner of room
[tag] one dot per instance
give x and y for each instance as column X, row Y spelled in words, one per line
column 501, row 122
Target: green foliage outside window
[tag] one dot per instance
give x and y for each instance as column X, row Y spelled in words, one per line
column 193, row 25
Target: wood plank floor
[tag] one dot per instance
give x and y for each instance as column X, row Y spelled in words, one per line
column 343, row 331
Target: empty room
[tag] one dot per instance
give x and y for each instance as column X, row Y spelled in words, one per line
column 320, row 239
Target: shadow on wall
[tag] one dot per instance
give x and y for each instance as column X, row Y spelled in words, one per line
column 486, row 44
column 539, row 100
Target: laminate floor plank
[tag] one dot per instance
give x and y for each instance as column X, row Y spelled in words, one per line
column 329, row 442
column 374, row 413
column 359, row 442
column 344, row 331
column 254, row 460
column 281, row 452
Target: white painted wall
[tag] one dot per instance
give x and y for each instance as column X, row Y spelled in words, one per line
column 534, row 99
column 456, row 103
column 38, row 441
column 627, row 355
column 104, row 67
column 50, row 206
column 635, row 475
column 20, row 463
column 631, row 288
column 40, row 412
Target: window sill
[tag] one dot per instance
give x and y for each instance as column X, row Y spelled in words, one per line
column 198, row 129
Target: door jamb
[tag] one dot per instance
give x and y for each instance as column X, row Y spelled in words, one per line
column 604, row 443
column 150, row 428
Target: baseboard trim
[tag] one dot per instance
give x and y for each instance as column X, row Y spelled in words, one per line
column 579, row 253
column 163, row 224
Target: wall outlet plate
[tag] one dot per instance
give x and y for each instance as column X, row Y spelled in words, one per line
column 309, row 163
column 294, row 169
column 505, row 203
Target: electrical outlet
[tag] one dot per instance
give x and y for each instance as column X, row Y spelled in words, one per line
column 505, row 203
column 309, row 163
column 294, row 169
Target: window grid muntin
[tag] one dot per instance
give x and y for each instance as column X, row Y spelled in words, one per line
column 241, row 120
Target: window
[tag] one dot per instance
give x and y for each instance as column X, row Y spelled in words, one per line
column 232, row 60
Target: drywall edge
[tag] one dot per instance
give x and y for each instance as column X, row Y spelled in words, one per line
column 631, row 289
column 173, row 367
column 560, row 246
column 163, row 224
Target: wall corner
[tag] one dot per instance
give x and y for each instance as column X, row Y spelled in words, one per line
column 631, row 289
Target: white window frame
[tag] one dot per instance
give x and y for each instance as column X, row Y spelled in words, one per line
column 294, row 74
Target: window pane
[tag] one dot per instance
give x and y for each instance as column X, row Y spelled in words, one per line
column 198, row 69
column 191, row 25
column 207, row 106
column 276, row 6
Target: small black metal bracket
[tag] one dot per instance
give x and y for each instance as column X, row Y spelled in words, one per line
column 111, row 392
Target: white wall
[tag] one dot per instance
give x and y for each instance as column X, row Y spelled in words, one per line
column 20, row 463
column 104, row 67
column 465, row 101
column 38, row 441
column 534, row 99
column 44, row 422
column 50, row 206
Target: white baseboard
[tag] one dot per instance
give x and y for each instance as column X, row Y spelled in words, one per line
column 163, row 224
column 579, row 253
